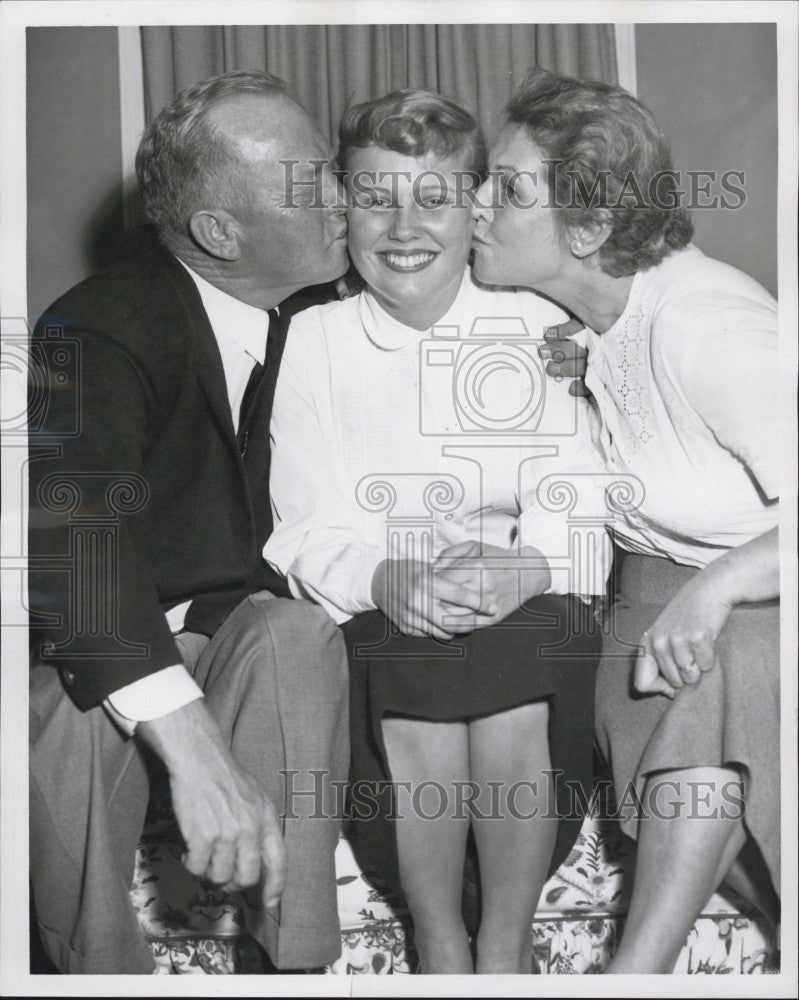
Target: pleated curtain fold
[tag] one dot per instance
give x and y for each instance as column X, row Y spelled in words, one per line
column 329, row 67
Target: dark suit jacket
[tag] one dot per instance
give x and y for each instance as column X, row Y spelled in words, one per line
column 140, row 496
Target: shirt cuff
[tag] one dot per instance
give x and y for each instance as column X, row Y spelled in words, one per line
column 152, row 697
column 342, row 584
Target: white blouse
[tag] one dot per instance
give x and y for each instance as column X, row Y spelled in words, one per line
column 686, row 383
column 390, row 441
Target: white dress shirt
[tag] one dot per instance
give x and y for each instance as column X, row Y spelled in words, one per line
column 241, row 334
column 687, row 386
column 384, row 436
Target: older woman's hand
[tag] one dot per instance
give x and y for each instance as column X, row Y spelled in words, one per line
column 566, row 358
column 679, row 646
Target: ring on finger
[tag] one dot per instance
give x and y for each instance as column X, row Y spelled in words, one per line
column 687, row 669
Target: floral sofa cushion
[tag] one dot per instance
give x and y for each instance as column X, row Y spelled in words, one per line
column 195, row 927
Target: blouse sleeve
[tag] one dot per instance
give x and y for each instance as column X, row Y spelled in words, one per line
column 316, row 543
column 562, row 500
column 723, row 349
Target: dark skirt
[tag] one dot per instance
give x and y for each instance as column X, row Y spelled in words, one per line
column 548, row 649
column 730, row 718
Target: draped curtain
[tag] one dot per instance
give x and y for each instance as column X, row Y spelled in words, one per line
column 329, row 67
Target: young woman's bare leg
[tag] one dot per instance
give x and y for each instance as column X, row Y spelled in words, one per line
column 511, row 749
column 431, row 756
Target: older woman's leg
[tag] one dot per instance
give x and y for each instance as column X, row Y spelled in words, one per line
column 711, row 731
column 683, row 856
column 430, row 757
column 511, row 750
column 749, row 877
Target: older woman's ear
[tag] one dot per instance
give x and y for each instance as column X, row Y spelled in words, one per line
column 587, row 237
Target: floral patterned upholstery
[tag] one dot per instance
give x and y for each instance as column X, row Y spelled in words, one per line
column 194, row 927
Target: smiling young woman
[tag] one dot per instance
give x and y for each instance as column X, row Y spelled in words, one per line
column 408, row 238
column 405, row 471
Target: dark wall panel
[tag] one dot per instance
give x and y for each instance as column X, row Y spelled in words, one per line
column 74, row 158
column 713, row 88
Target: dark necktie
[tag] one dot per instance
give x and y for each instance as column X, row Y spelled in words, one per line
column 249, row 393
column 253, row 384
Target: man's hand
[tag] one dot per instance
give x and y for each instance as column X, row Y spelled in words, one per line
column 410, row 595
column 229, row 824
column 566, row 359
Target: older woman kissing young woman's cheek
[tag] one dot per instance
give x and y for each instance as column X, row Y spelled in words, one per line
column 681, row 362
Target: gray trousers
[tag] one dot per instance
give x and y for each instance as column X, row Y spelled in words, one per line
column 275, row 679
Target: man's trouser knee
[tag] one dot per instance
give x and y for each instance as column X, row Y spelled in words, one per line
column 287, row 724
column 274, row 677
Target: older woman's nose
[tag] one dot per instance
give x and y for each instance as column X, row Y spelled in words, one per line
column 482, row 211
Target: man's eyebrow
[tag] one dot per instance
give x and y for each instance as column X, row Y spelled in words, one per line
column 304, row 168
column 313, row 164
column 506, row 166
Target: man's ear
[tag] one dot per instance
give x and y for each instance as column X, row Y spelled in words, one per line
column 217, row 233
column 587, row 237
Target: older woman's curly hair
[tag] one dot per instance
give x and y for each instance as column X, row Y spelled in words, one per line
column 608, row 161
column 414, row 122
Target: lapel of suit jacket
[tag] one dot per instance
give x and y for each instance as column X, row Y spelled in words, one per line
column 210, row 371
column 211, row 378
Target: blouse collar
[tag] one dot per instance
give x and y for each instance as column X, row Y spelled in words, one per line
column 389, row 334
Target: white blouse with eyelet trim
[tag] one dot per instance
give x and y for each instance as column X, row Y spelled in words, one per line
column 687, row 388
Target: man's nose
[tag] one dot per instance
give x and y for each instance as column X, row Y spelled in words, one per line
column 405, row 221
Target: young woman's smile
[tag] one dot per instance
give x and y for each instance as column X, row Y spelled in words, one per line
column 410, row 235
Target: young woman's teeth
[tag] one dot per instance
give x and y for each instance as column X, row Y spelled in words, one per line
column 409, row 262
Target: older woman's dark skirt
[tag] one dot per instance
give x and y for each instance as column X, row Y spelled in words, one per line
column 547, row 650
